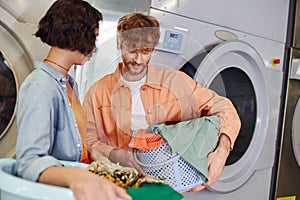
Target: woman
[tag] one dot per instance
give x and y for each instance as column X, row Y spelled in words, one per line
column 51, row 121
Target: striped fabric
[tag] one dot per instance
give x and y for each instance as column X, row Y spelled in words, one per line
column 144, row 140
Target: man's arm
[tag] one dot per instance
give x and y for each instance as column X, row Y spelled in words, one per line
column 95, row 137
column 84, row 184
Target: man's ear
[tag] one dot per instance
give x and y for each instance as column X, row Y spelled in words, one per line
column 118, row 44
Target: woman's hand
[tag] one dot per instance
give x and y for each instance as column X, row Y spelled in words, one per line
column 88, row 186
column 84, row 184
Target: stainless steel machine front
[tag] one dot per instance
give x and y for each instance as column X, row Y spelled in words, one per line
column 288, row 171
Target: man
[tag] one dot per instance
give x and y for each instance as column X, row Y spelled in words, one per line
column 122, row 105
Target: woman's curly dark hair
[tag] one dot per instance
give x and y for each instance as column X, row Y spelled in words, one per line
column 70, row 24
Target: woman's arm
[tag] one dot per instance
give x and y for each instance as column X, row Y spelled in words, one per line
column 84, row 184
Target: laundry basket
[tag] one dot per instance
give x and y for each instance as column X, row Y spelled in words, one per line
column 162, row 162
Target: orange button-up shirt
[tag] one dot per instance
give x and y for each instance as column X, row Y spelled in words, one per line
column 168, row 96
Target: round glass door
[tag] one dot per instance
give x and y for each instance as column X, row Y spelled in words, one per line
column 234, row 84
column 8, row 95
column 234, row 69
column 296, row 133
column 15, row 64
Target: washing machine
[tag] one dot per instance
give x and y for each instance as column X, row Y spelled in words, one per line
column 18, row 49
column 288, row 171
column 236, row 49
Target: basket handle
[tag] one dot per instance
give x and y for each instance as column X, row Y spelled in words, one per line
column 153, row 165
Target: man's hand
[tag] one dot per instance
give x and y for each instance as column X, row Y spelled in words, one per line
column 216, row 160
column 125, row 158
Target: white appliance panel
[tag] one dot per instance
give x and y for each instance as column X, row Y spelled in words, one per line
column 267, row 19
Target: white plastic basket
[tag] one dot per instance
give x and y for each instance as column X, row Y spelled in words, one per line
column 163, row 163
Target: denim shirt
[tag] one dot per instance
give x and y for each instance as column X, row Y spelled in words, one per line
column 47, row 129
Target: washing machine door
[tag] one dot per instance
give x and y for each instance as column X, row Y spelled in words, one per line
column 294, row 92
column 15, row 65
column 235, row 70
column 296, row 133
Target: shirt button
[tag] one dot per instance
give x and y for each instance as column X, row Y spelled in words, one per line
column 78, row 145
column 144, row 88
column 149, row 111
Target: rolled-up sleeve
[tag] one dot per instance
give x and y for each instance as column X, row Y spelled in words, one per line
column 97, row 143
column 34, row 138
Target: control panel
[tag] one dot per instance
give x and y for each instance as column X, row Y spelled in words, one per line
column 171, row 41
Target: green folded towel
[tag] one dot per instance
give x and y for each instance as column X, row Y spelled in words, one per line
column 193, row 140
column 154, row 191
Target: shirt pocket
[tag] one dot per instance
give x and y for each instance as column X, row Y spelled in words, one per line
column 115, row 117
column 167, row 111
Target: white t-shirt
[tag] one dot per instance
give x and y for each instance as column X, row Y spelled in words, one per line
column 138, row 118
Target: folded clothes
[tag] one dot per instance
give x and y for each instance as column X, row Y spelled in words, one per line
column 154, row 191
column 193, row 140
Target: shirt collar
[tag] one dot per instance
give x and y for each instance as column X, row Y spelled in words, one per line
column 151, row 80
column 53, row 72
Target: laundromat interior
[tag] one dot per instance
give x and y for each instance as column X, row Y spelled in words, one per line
column 248, row 51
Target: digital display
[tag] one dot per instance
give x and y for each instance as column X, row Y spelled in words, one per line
column 173, row 35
